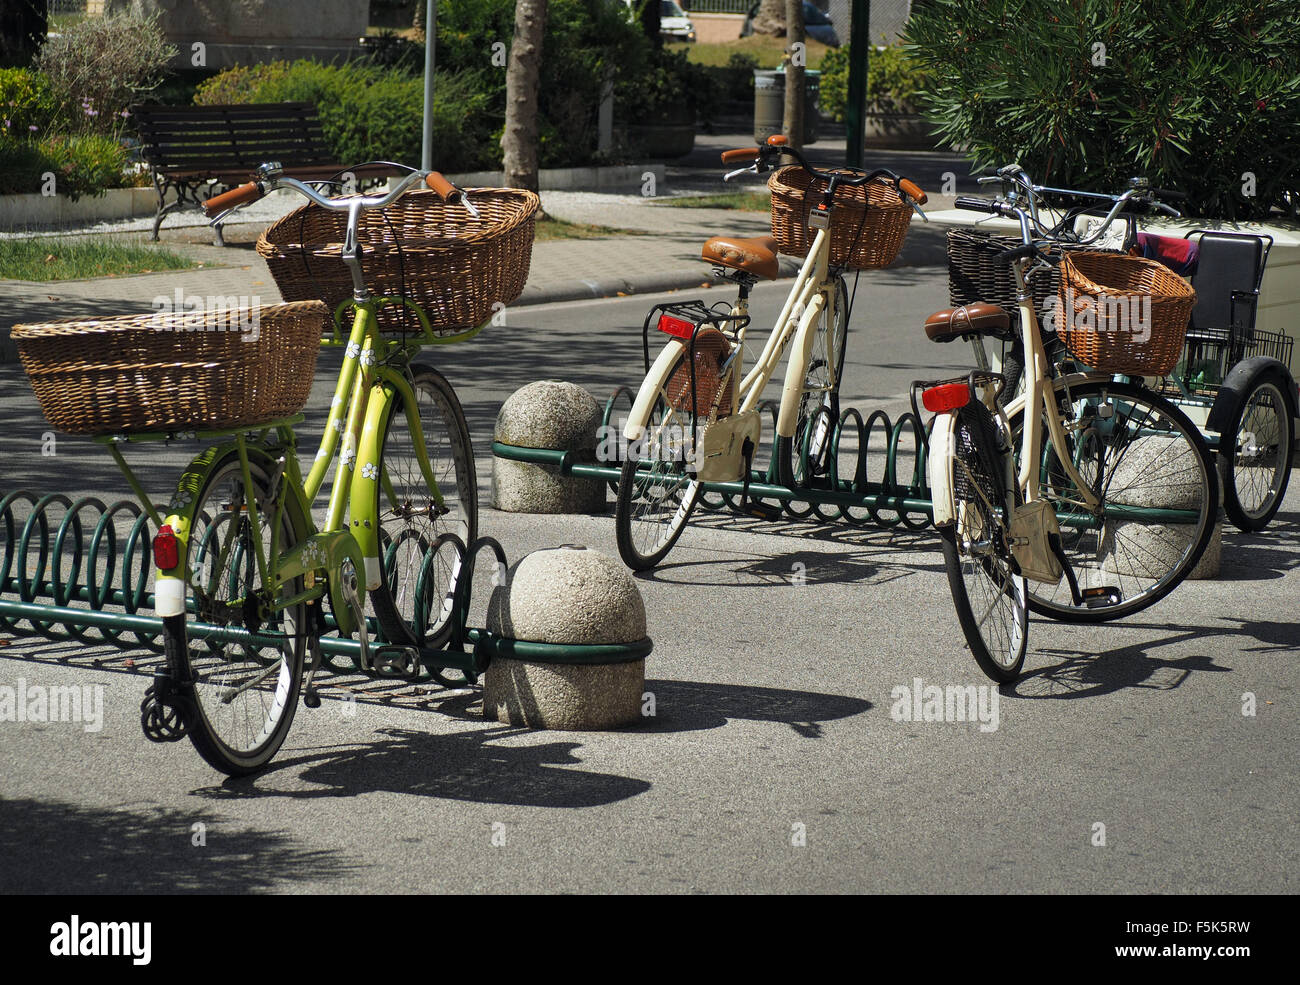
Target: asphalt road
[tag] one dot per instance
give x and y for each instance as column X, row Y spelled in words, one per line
column 776, row 710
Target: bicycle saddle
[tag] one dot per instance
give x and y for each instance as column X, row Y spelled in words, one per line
column 968, row 320
column 756, row 256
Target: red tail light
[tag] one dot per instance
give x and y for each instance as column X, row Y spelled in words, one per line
column 166, row 549
column 945, row 397
column 677, row 327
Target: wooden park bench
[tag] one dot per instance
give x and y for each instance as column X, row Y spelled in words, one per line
column 189, row 148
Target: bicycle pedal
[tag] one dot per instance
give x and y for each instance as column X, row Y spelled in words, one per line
column 761, row 511
column 396, row 661
column 1102, row 597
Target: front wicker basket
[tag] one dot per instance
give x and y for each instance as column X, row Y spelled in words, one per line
column 977, row 273
column 173, row 371
column 458, row 269
column 868, row 222
column 1122, row 314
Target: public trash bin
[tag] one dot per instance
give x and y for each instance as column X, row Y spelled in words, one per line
column 769, row 103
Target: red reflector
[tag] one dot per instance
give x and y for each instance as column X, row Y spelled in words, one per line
column 946, row 397
column 678, row 327
column 166, row 549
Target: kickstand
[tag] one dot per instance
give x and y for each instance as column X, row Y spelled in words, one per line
column 1097, row 597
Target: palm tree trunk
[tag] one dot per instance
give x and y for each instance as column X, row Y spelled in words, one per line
column 519, row 140
column 796, row 53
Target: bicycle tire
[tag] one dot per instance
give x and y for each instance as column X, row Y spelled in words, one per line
column 1118, row 562
column 643, row 529
column 977, row 553
column 234, row 742
column 1252, row 491
column 405, row 608
column 789, row 452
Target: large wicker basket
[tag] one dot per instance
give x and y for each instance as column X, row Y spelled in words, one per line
column 977, row 273
column 1122, row 314
column 455, row 267
column 868, row 222
column 173, row 371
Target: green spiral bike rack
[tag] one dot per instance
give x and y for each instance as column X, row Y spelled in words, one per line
column 833, row 499
column 80, row 570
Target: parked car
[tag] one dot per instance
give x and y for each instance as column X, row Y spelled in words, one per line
column 674, row 25
column 817, row 25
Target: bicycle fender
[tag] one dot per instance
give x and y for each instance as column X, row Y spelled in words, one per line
column 939, row 467
column 655, row 380
column 792, row 388
column 169, row 584
column 1240, row 380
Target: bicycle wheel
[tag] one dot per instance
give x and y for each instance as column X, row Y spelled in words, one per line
column 804, row 457
column 656, row 494
column 244, row 695
column 1154, row 475
column 987, row 589
column 1255, row 456
column 412, row 602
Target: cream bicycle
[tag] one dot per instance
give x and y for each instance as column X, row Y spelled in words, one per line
column 1088, row 497
column 695, row 417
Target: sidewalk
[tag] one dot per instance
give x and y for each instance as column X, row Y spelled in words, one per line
column 661, row 252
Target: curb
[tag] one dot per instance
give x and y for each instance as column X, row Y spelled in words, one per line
column 610, row 287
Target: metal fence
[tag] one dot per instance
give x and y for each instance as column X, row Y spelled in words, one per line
column 888, row 18
column 717, row 6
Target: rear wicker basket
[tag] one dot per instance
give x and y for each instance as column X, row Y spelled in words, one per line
column 977, row 273
column 455, row 267
column 868, row 222
column 711, row 350
column 163, row 372
column 1122, row 314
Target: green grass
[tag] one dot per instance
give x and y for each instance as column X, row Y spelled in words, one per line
column 54, row 259
column 768, row 51
column 740, row 201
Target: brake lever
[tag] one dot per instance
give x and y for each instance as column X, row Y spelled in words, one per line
column 469, row 206
column 753, row 168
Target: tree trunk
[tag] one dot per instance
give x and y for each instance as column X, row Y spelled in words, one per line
column 519, row 140
column 23, row 24
column 651, row 23
column 796, row 55
column 417, row 22
column 770, row 19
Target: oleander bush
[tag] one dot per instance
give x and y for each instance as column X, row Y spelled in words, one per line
column 27, row 102
column 1202, row 97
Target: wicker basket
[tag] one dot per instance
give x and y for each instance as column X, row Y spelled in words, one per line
column 711, row 351
column 173, row 371
column 1104, row 319
column 868, row 222
column 455, row 267
column 976, row 273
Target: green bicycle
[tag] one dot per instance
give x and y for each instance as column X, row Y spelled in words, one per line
column 242, row 566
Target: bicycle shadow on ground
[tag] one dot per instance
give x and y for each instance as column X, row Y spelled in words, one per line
column 57, row 847
column 690, row 706
column 468, row 766
column 1269, row 554
column 1089, row 675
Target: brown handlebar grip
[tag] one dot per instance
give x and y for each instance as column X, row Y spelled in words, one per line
column 250, row 192
column 444, row 189
column 739, row 154
column 913, row 191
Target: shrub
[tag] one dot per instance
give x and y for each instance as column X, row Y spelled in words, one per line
column 26, row 101
column 84, row 165
column 894, row 80
column 1193, row 96
column 102, row 65
column 369, row 112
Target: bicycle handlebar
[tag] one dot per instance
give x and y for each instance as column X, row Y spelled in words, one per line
column 243, row 195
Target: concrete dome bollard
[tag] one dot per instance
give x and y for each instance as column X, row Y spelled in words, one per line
column 547, row 414
column 567, row 595
column 1147, row 550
